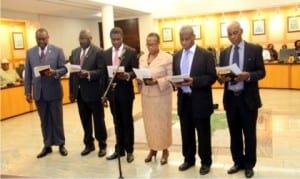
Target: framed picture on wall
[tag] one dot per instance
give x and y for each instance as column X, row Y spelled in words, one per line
column 18, row 40
column 293, row 24
column 223, row 30
column 167, row 34
column 258, row 27
column 197, row 31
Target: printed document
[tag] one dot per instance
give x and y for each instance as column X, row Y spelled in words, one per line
column 177, row 78
column 233, row 68
column 40, row 69
column 142, row 73
column 112, row 69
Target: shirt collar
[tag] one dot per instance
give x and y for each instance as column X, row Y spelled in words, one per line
column 120, row 48
column 240, row 45
column 192, row 49
column 45, row 49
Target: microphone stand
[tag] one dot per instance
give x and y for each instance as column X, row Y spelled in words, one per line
column 104, row 100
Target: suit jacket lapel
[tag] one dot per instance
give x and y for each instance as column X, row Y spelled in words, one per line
column 124, row 55
column 36, row 53
column 47, row 54
column 91, row 50
column 178, row 62
column 77, row 56
column 227, row 55
column 109, row 57
column 245, row 55
column 87, row 55
column 194, row 61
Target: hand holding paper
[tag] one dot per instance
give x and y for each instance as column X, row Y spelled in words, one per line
column 113, row 69
column 231, row 72
column 41, row 70
column 83, row 74
column 177, row 78
column 142, row 73
column 227, row 70
column 73, row 68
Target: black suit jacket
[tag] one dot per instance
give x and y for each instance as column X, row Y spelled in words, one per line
column 253, row 63
column 93, row 88
column 124, row 89
column 204, row 75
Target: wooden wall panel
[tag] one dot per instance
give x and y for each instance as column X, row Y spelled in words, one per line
column 130, row 29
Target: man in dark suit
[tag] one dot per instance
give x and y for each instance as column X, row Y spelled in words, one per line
column 47, row 90
column 194, row 104
column 122, row 95
column 241, row 98
column 87, row 87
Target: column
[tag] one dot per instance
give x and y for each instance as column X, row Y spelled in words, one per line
column 107, row 24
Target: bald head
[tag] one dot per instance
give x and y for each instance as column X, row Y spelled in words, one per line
column 187, row 29
column 187, row 37
column 234, row 24
column 234, row 32
column 85, row 38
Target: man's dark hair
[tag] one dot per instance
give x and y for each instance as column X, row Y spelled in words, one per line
column 40, row 30
column 154, row 34
column 116, row 30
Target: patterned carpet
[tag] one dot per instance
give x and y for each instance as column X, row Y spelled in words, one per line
column 220, row 134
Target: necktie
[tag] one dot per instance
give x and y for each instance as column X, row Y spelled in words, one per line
column 185, row 70
column 42, row 54
column 116, row 58
column 82, row 57
column 236, row 58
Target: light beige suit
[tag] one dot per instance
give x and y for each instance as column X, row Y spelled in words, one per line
column 157, row 102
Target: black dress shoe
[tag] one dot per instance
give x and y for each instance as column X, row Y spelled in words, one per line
column 114, row 156
column 234, row 169
column 63, row 151
column 44, row 152
column 204, row 169
column 87, row 150
column 249, row 173
column 185, row 166
column 102, row 152
column 130, row 157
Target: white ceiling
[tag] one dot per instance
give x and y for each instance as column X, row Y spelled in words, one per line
column 87, row 9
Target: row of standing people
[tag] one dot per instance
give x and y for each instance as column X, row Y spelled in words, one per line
column 194, row 96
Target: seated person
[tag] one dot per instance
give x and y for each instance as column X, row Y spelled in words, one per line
column 273, row 52
column 297, row 45
column 297, row 49
column 20, row 68
column 283, row 46
column 8, row 76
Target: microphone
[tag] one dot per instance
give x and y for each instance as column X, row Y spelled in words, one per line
column 122, row 54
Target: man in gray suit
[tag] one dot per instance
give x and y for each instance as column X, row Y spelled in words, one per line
column 87, row 87
column 47, row 90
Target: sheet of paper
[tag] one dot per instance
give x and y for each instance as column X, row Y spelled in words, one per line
column 177, row 78
column 142, row 73
column 112, row 69
column 73, row 68
column 37, row 69
column 233, row 68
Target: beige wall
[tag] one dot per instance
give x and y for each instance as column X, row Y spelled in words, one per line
column 275, row 27
column 63, row 32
